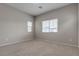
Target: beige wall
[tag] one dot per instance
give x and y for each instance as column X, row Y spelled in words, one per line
column 13, row 27
column 66, row 25
column 78, row 24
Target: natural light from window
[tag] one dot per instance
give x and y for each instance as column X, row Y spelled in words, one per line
column 29, row 25
column 50, row 25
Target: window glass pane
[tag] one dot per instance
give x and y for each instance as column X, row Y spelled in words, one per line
column 50, row 25
column 29, row 26
column 53, row 30
column 45, row 30
column 29, row 23
column 45, row 26
column 29, row 29
column 53, row 25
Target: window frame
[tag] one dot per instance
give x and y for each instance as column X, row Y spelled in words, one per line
column 29, row 26
column 50, row 27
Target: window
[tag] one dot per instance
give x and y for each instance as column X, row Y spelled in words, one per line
column 50, row 25
column 29, row 25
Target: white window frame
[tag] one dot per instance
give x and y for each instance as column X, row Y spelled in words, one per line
column 54, row 24
column 29, row 26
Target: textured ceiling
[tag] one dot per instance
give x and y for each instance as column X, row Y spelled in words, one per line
column 37, row 8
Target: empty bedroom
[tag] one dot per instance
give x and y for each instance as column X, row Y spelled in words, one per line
column 39, row 29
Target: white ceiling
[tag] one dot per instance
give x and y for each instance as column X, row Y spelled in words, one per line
column 33, row 8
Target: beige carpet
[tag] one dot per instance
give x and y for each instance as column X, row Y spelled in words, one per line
column 38, row 48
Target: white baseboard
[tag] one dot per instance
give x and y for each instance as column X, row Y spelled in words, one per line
column 62, row 43
column 13, row 42
column 39, row 39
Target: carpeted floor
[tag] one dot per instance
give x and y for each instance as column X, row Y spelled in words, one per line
column 38, row 48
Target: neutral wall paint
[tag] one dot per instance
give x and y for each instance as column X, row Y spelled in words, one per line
column 78, row 24
column 13, row 25
column 66, row 26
